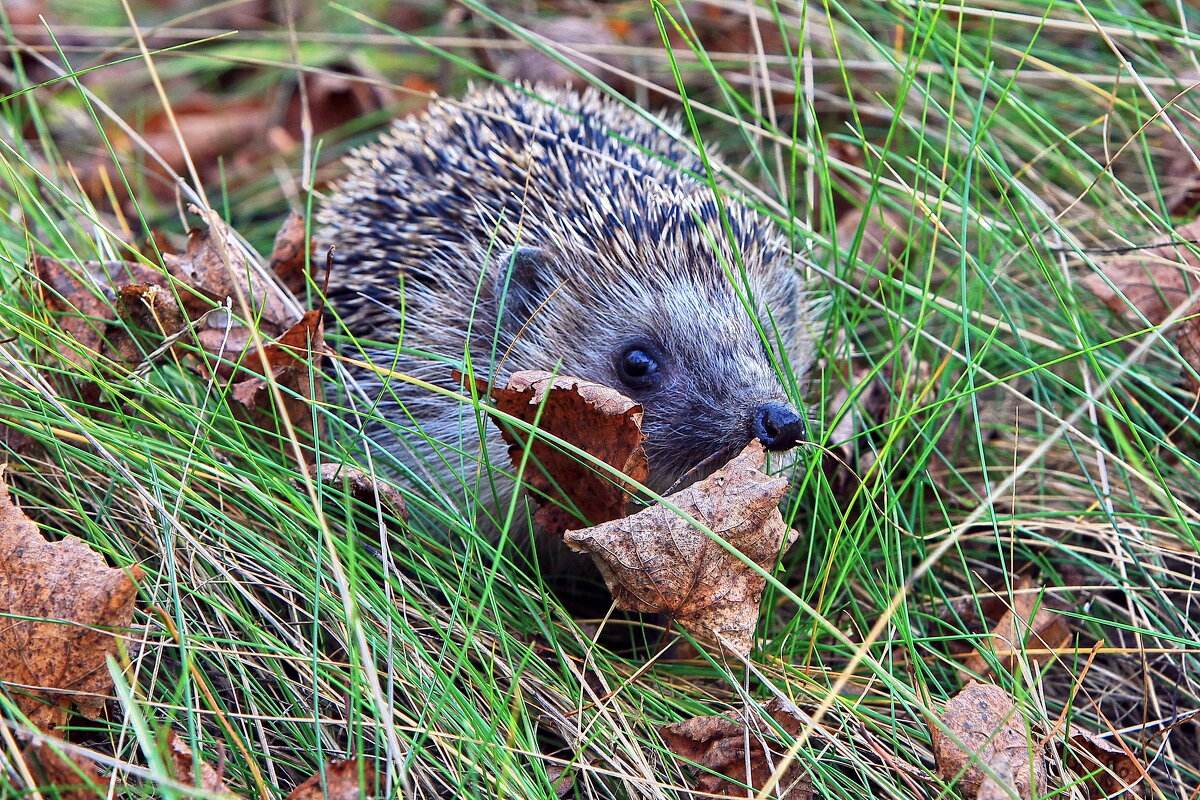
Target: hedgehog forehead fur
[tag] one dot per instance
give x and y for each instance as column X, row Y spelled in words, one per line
column 632, row 247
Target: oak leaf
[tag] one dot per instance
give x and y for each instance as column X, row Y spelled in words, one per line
column 1176, row 166
column 1115, row 772
column 657, row 561
column 70, row 774
column 80, row 309
column 884, row 239
column 1187, row 339
column 211, row 267
column 289, row 254
column 1154, row 280
column 364, row 487
column 60, row 602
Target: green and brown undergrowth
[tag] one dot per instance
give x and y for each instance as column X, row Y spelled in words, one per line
column 1005, row 488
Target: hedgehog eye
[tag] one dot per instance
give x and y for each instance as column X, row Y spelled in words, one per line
column 637, row 368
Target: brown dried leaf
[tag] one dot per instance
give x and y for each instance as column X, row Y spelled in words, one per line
column 997, row 788
column 1154, row 281
column 1031, row 622
column 24, row 12
column 724, row 746
column 338, row 95
column 594, row 418
column 562, row 779
column 60, row 599
column 287, row 259
column 363, row 486
column 80, row 310
column 152, row 308
column 184, row 767
column 1116, row 772
column 222, row 136
column 341, row 782
column 294, row 361
column 202, row 266
column 149, row 307
column 655, row 561
column 985, row 719
column 72, row 775
column 88, row 297
column 210, row 128
column 87, row 307
column 1178, row 171
column 216, row 134
column 15, row 441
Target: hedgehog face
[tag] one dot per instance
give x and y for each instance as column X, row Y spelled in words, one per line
column 687, row 351
column 703, row 399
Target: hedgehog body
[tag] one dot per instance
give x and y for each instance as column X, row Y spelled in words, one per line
column 561, row 231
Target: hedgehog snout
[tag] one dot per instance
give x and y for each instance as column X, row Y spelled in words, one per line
column 778, row 426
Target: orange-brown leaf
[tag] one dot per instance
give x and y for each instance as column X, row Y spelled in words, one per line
column 1030, row 623
column 595, row 418
column 340, row 780
column 1187, row 339
column 364, row 487
column 63, row 775
column 288, row 254
column 215, row 272
column 884, row 237
column 1153, row 281
column 79, row 309
column 294, row 363
column 60, row 603
column 1114, row 770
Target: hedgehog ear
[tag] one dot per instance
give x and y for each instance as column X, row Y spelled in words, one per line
column 525, row 282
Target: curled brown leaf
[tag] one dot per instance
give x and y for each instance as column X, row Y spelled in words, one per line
column 726, row 746
column 1029, row 627
column 595, row 418
column 657, row 561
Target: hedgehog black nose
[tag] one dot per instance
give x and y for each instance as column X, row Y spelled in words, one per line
column 778, row 426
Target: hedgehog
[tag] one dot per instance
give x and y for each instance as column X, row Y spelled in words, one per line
column 537, row 228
